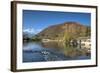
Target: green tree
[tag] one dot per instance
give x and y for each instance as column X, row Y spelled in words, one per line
column 88, row 31
column 67, row 38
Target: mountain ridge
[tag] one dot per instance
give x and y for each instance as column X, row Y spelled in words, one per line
column 58, row 30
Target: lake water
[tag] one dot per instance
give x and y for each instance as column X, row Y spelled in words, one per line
column 50, row 51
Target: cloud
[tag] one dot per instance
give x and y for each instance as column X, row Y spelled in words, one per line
column 32, row 30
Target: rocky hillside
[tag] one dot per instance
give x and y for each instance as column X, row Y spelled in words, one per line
column 70, row 28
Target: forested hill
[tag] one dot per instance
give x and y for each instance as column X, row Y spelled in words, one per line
column 72, row 29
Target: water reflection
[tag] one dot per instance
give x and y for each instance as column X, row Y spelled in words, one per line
column 52, row 51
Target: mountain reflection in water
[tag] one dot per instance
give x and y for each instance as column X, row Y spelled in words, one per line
column 51, row 51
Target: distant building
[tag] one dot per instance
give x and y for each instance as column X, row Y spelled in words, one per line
column 84, row 42
column 74, row 43
column 45, row 40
